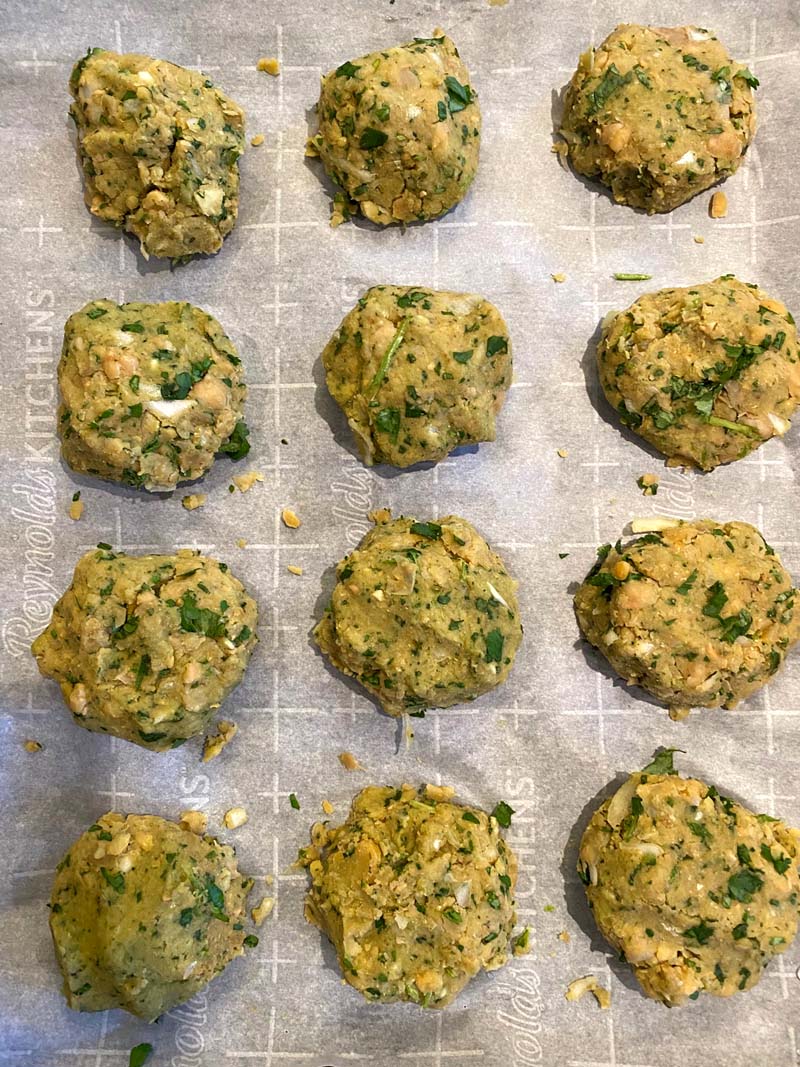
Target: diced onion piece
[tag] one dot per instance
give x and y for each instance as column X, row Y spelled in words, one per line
column 169, row 409
column 779, row 425
column 496, row 595
column 653, row 524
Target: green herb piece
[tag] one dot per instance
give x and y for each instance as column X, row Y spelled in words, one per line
column 503, row 812
column 701, row 933
column 133, row 327
column 459, row 96
column 96, row 313
column 140, row 1054
column 751, row 79
column 216, row 899
column 135, row 410
column 735, row 427
column 495, row 345
column 386, row 359
column 133, row 382
column 717, row 599
column 469, row 817
column 621, row 277
column 743, row 884
column 372, row 138
column 237, row 446
column 611, row 81
column 735, row 626
column 686, row 585
column 251, row 940
column 628, row 824
column 494, row 646
column 388, row 421
column 295, row 803
column 142, row 670
column 115, row 880
column 186, row 916
column 196, row 620
column 441, row 110
column 453, row 915
column 662, row 762
column 243, row 635
column 431, row 530
column 780, row 863
column 346, row 70
column 463, row 357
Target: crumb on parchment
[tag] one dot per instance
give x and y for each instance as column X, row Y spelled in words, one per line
column 562, row 453
column 234, row 818
column 589, row 984
column 214, row 745
column 76, row 507
column 294, row 569
column 263, row 910
column 194, row 500
column 290, row 519
column 244, row 482
column 564, row 936
column 327, row 807
column 241, row 543
column 349, row 762
column 257, row 141
column 718, row 205
column 269, row 65
column 559, row 277
column 196, row 821
column 648, row 483
column 32, row 746
column 698, row 240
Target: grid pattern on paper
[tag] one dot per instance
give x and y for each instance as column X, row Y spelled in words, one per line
column 551, row 740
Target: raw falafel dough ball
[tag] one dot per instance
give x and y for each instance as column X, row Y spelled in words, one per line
column 418, row 372
column 705, row 374
column 695, row 891
column 147, row 647
column 658, row 114
column 423, row 614
column 144, row 914
column 159, row 146
column 399, row 132
column 700, row 614
column 150, row 393
column 415, row 893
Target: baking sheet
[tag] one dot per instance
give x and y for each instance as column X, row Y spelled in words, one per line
column 553, row 738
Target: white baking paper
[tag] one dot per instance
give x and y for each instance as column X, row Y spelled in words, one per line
column 553, row 739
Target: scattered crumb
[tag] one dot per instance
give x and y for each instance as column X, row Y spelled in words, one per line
column 269, row 879
column 589, row 984
column 439, row 792
column 241, row 543
column 243, row 482
column 194, row 500
column 214, row 745
column 561, row 555
column 196, row 821
column 349, row 762
column 559, row 277
column 290, row 519
column 33, row 746
column 648, row 483
column 549, row 907
column 562, row 452
column 269, row 66
column 497, row 3
column 564, row 936
column 257, row 140
column 698, row 240
column 380, row 515
column 294, row 802
column 292, row 569
column 327, row 807
column 76, row 507
column 718, row 206
column 521, row 944
column 234, row 817
column 263, row 910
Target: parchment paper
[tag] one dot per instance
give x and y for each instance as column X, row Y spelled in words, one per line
column 553, row 739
